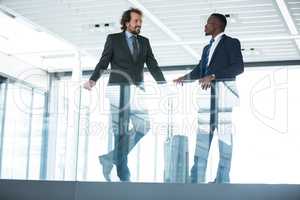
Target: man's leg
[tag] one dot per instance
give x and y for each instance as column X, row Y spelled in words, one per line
column 207, row 122
column 120, row 157
column 225, row 148
column 128, row 141
column 139, row 117
column 141, row 126
column 228, row 98
column 106, row 160
column 120, row 151
column 201, row 155
column 119, row 119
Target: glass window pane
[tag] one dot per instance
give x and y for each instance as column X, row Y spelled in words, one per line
column 16, row 132
column 36, row 135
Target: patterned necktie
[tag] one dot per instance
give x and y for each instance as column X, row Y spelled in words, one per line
column 206, row 56
column 135, row 51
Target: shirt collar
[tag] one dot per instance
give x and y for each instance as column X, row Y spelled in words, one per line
column 128, row 34
column 219, row 36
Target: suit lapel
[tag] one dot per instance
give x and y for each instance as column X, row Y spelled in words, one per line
column 141, row 45
column 126, row 47
column 217, row 48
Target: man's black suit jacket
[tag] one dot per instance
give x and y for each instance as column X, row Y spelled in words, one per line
column 124, row 70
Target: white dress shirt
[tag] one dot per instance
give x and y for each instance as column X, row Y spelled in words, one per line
column 129, row 40
column 214, row 45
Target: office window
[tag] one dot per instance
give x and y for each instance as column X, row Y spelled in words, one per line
column 34, row 155
column 22, row 135
column 16, row 132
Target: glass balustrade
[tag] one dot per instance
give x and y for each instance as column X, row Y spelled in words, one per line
column 234, row 132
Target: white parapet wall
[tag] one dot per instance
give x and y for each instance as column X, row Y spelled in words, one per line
column 18, row 69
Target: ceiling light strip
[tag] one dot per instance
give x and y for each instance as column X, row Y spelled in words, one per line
column 287, row 16
column 164, row 28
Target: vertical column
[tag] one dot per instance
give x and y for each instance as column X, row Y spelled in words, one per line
column 29, row 134
column 3, row 94
column 74, row 117
column 45, row 135
column 50, row 131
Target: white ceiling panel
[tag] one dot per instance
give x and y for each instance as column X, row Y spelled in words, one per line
column 174, row 27
column 294, row 8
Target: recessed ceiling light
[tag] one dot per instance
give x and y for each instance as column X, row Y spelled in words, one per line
column 250, row 51
column 100, row 27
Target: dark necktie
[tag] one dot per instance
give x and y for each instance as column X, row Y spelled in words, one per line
column 135, row 51
column 206, row 56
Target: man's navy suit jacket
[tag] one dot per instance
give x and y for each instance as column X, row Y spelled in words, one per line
column 226, row 62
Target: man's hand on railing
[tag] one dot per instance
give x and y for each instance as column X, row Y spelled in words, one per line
column 205, row 82
column 89, row 84
column 179, row 80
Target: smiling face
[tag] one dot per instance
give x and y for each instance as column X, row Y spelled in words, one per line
column 135, row 24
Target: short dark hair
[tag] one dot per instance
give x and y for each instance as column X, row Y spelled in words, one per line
column 126, row 17
column 221, row 18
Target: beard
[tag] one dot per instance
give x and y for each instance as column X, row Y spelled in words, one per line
column 136, row 30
